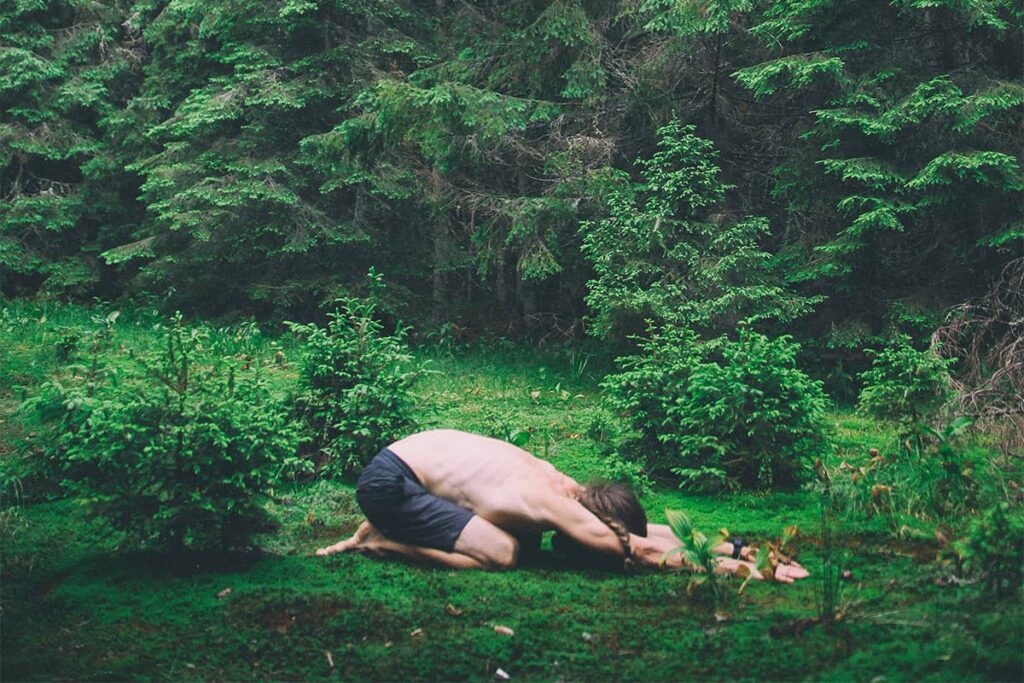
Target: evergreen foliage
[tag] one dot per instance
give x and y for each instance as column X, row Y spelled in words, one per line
column 239, row 157
column 993, row 550
column 176, row 449
column 742, row 418
column 643, row 393
column 839, row 171
column 66, row 70
column 904, row 384
column 354, row 385
column 905, row 183
column 661, row 256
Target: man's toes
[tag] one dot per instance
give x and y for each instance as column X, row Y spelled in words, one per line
column 336, row 548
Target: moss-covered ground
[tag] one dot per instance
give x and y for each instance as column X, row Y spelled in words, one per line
column 75, row 607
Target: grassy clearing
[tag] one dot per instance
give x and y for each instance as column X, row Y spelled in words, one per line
column 76, row 608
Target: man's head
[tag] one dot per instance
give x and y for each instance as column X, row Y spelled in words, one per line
column 617, row 502
column 617, row 506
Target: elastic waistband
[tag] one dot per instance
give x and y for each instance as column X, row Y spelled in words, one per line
column 389, row 459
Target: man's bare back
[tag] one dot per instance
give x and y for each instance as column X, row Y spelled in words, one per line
column 496, row 480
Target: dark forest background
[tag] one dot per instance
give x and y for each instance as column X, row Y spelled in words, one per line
column 229, row 157
column 245, row 244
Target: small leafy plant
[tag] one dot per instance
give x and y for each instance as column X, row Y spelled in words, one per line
column 697, row 551
column 773, row 552
column 175, row 447
column 354, row 384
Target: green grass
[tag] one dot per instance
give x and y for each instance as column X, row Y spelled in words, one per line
column 77, row 608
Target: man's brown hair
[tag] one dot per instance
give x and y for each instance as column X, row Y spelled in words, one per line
column 615, row 501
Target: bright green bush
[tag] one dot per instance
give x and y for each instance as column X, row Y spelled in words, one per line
column 643, row 392
column 904, row 385
column 756, row 417
column 993, row 550
column 176, row 447
column 749, row 419
column 354, row 386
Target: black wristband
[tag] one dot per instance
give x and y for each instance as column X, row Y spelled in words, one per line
column 738, row 544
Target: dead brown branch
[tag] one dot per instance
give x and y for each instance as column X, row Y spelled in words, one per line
column 986, row 336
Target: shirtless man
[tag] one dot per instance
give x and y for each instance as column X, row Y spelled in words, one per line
column 462, row 500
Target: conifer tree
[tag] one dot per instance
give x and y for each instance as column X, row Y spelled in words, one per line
column 902, row 188
column 666, row 257
column 65, row 71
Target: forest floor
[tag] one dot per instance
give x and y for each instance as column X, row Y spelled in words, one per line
column 77, row 608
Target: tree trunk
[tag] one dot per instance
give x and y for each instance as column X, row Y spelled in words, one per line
column 500, row 290
column 441, row 237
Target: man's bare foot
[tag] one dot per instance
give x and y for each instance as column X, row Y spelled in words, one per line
column 364, row 534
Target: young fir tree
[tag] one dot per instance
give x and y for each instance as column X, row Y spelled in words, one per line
column 664, row 255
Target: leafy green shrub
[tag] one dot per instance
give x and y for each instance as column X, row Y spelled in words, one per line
column 644, row 390
column 993, row 549
column 354, row 385
column 756, row 416
column 175, row 447
column 751, row 421
column 904, row 385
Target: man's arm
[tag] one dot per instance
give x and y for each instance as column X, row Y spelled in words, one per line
column 580, row 524
column 573, row 519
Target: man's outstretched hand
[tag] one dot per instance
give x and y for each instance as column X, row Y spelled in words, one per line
column 784, row 573
column 788, row 573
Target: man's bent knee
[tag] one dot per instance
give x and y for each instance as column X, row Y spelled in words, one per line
column 494, row 548
column 506, row 556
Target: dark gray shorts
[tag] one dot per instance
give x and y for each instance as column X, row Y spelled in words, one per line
column 395, row 502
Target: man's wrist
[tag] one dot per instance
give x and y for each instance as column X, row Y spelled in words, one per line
column 641, row 549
